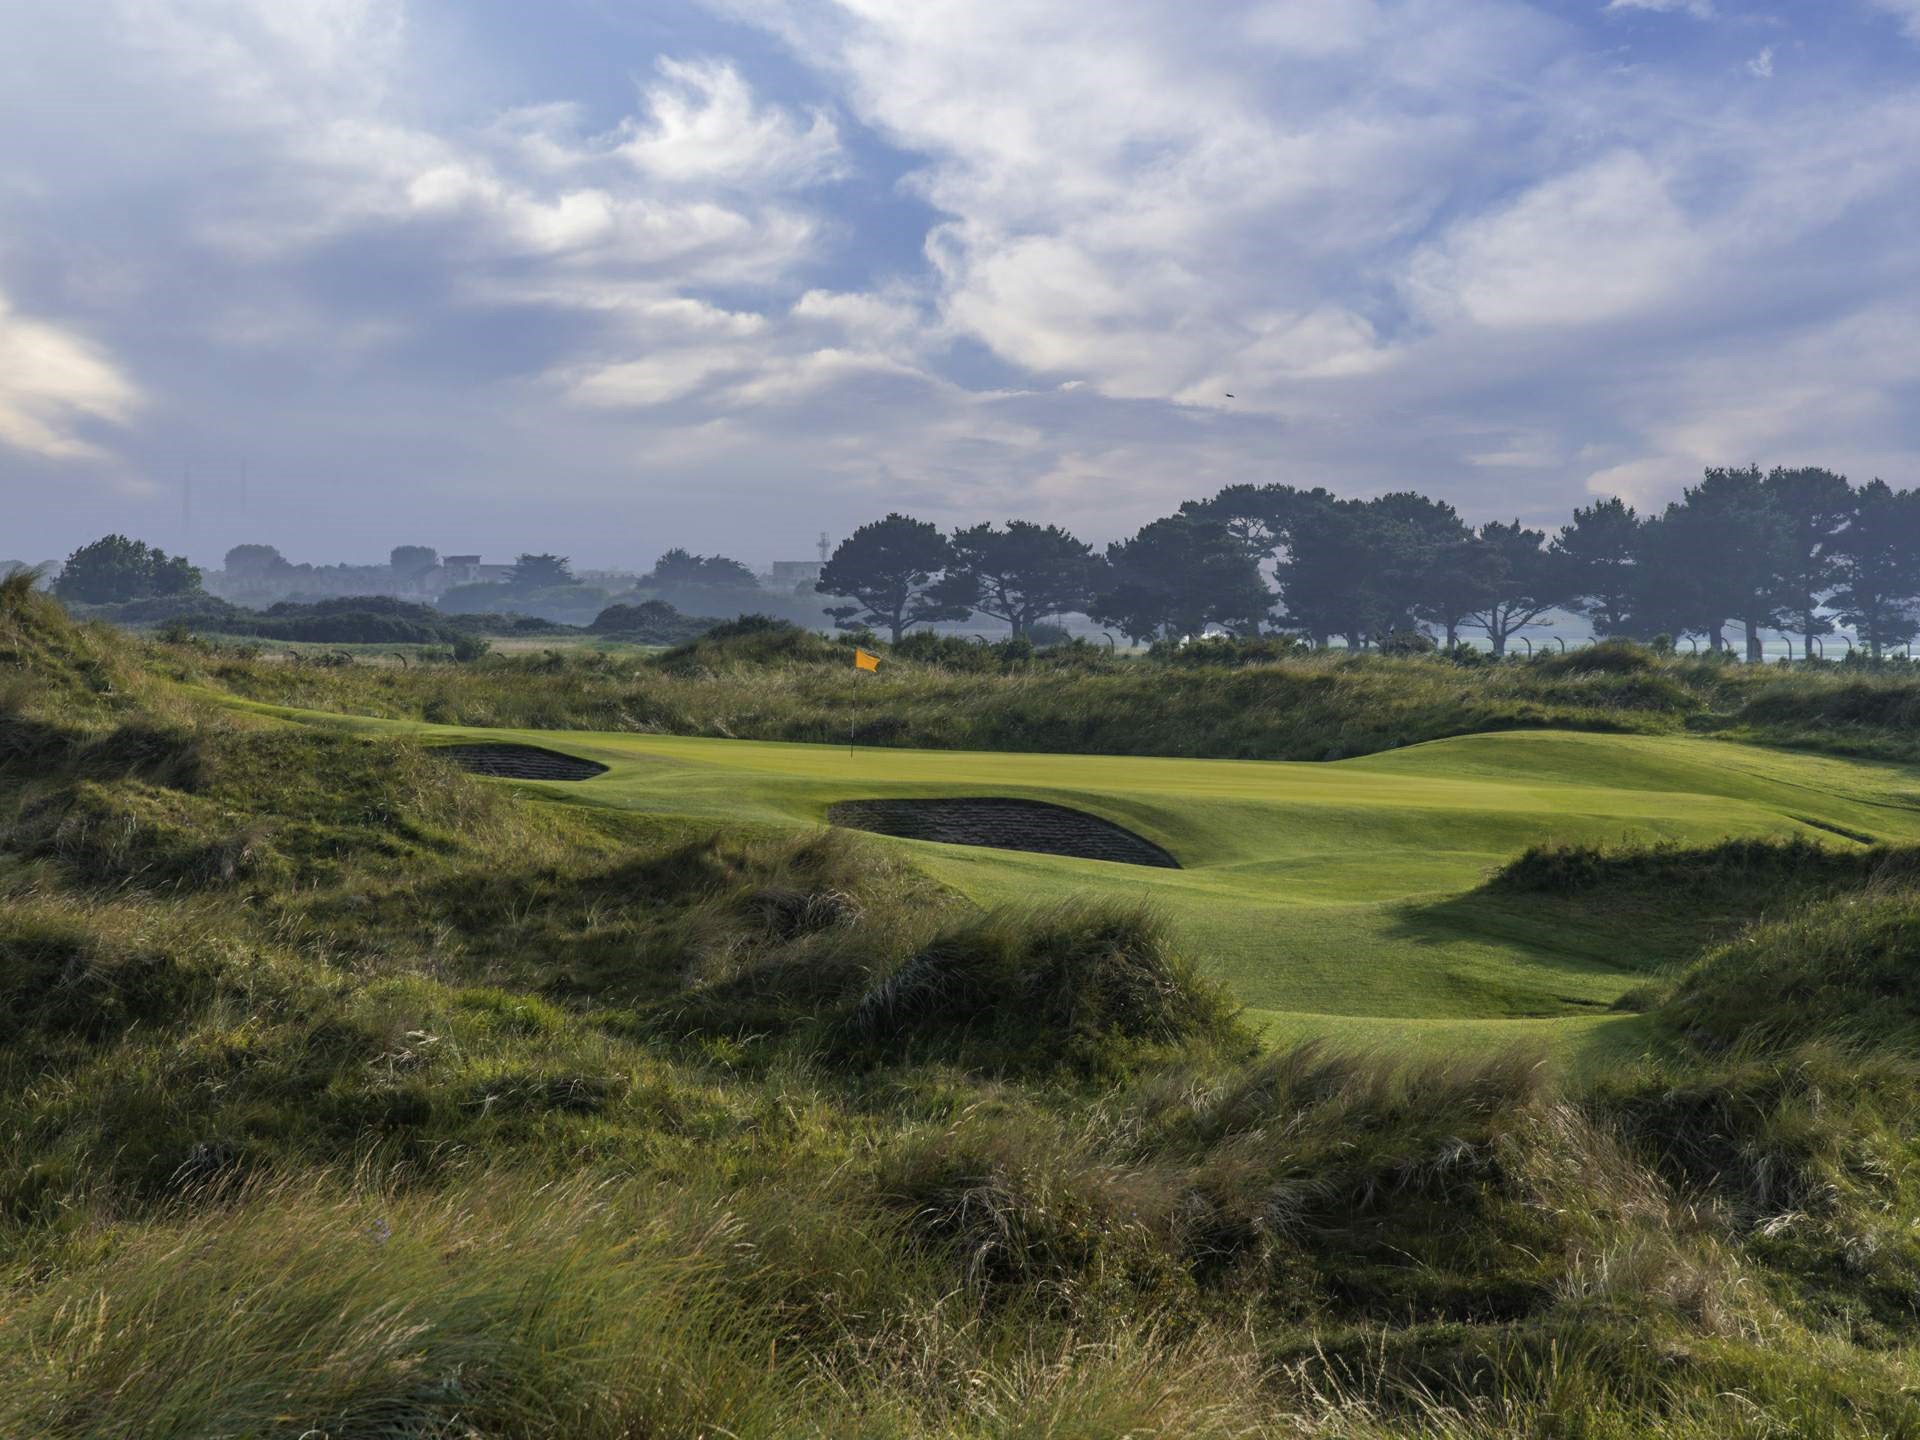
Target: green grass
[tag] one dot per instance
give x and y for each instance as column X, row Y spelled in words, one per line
column 1354, row 890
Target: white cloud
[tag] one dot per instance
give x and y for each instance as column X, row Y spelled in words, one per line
column 1699, row 9
column 1761, row 65
column 653, row 379
column 1587, row 247
column 53, row 385
column 703, row 125
column 1314, row 27
column 1140, row 202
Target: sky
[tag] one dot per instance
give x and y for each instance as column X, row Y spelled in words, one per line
column 599, row 277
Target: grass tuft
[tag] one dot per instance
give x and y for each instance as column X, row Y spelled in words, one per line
column 1081, row 988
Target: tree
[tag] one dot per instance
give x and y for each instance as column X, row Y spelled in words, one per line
column 254, row 562
column 679, row 567
column 888, row 569
column 1721, row 552
column 1322, row 578
column 1463, row 577
column 541, row 572
column 410, row 562
column 1667, row 593
column 1598, row 551
column 1179, row 575
column 1405, row 534
column 1877, row 566
column 114, row 569
column 1367, row 569
column 1528, row 581
column 1020, row 573
column 1261, row 517
column 1813, row 506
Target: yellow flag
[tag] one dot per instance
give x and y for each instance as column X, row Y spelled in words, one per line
column 863, row 661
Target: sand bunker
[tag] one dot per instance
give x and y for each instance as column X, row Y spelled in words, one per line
column 1003, row 825
column 520, row 762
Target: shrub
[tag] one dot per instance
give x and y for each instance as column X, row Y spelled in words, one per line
column 1408, row 642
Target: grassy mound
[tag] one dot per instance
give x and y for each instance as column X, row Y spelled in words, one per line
column 1847, row 969
column 1709, row 874
column 749, row 642
column 1087, row 989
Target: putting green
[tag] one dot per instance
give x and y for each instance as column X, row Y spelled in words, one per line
column 1335, row 898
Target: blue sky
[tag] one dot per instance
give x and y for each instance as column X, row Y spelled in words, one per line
column 603, row 276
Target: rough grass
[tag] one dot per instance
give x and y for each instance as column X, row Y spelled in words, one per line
column 1848, row 967
column 476, row 1115
column 1095, row 989
column 784, row 684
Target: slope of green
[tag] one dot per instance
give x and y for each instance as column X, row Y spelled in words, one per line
column 1348, row 889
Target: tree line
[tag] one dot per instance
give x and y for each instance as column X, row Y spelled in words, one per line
column 1798, row 551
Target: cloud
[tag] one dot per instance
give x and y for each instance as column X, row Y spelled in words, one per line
column 1120, row 185
column 1591, row 246
column 823, row 258
column 1699, row 9
column 1908, row 11
column 53, row 386
column 703, row 124
column 1761, row 65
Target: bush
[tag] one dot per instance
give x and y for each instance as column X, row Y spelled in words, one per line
column 1408, row 642
column 652, row 622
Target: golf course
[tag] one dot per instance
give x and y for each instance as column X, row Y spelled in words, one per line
column 567, row 1044
column 1343, row 900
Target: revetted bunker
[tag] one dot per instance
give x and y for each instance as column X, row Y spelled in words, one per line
column 1003, row 824
column 520, row 762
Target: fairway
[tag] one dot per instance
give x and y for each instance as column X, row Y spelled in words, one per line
column 1335, row 899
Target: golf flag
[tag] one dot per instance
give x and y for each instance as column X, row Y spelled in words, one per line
column 863, row 661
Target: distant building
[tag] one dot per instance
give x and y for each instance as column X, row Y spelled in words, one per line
column 467, row 570
column 792, row 574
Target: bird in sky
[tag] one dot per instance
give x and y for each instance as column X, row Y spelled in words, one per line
column 1228, row 394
